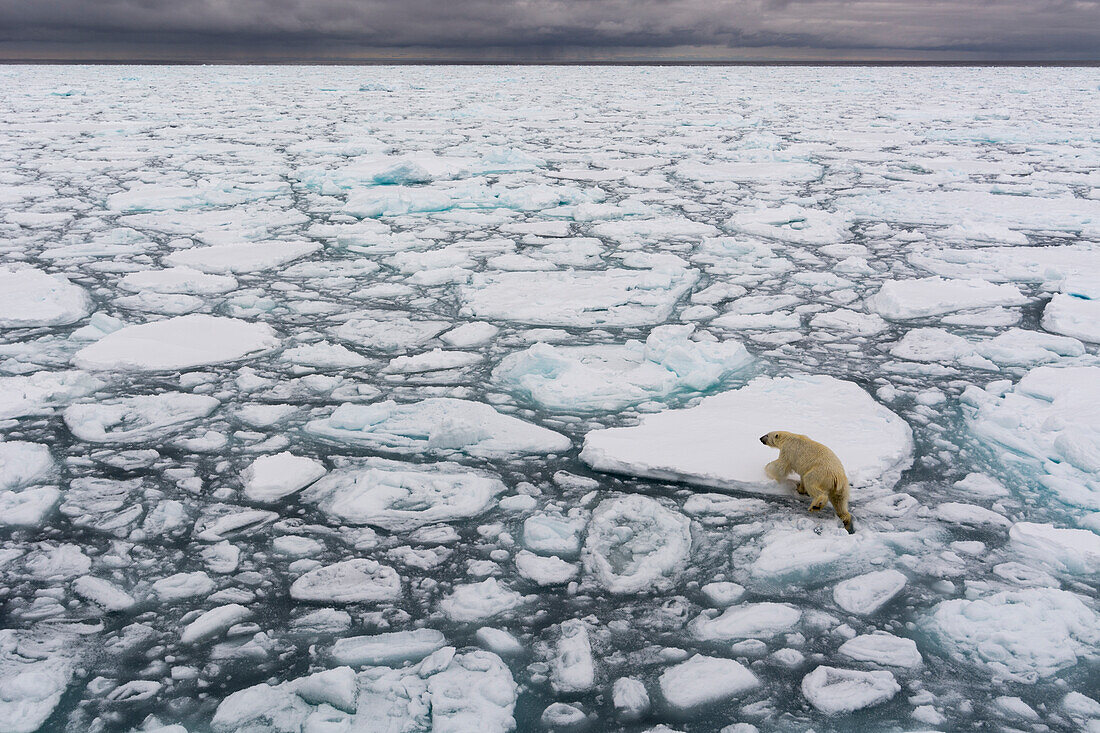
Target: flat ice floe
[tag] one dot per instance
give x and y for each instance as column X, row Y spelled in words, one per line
column 1020, row 635
column 349, row 581
column 238, row 258
column 436, row 425
column 137, row 419
column 1073, row 316
column 271, row 478
column 400, row 496
column 609, row 378
column 834, row 690
column 584, row 299
column 30, row 297
column 636, row 544
column 701, row 680
column 183, row 342
column 717, row 443
column 1048, row 424
column 935, row 296
column 792, row 223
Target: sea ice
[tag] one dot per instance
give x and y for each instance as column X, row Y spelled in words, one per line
column 635, row 544
column 747, row 621
column 935, row 296
column 436, row 425
column 273, row 478
column 584, row 299
column 479, row 601
column 24, row 464
column 693, row 445
column 1021, row 635
column 30, row 297
column 402, row 496
column 883, row 649
column 238, row 258
column 177, row 280
column 833, row 690
column 177, row 343
column 390, row 648
column 572, row 669
column 349, row 581
column 865, row 594
column 1073, row 316
column 1063, row 550
column 136, row 419
column 704, row 680
column 610, row 378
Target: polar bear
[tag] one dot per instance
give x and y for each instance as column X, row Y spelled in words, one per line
column 822, row 474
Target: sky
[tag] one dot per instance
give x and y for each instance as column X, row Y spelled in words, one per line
column 567, row 31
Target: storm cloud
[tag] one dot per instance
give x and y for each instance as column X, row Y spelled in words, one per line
column 692, row 30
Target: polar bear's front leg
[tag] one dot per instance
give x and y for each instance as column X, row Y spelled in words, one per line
column 777, row 470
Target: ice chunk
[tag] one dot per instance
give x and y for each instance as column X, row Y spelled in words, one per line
column 865, row 594
column 630, row 699
column 272, row 478
column 704, row 680
column 1049, row 422
column 30, row 297
column 610, row 378
column 636, row 544
column 722, row 593
column 183, row 585
column 177, row 280
column 470, row 334
column 350, row 581
column 833, row 690
column 402, row 496
column 545, row 570
column 432, row 361
column 436, row 425
column 498, row 641
column 38, row 393
column 883, row 648
column 842, row 319
column 750, row 170
column 806, row 558
column 1021, row 635
column 1068, row 551
column 29, row 507
column 391, row 648
column 388, row 333
column 475, row 692
column 135, row 419
column 244, row 257
column 183, row 342
column 479, row 601
column 583, row 299
column 24, row 464
column 35, row 671
column 549, row 535
column 572, row 669
column 962, row 207
column 792, row 223
column 693, row 445
column 214, row 622
column 1073, row 316
column 934, row 296
column 336, row 687
column 103, row 593
column 324, row 355
column 1060, row 266
column 747, row 621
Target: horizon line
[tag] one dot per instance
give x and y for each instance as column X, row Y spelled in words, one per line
column 14, row 61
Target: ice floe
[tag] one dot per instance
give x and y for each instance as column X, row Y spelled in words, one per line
column 834, row 690
column 635, row 544
column 348, row 581
column 271, row 478
column 1073, row 316
column 436, row 425
column 935, row 296
column 696, row 445
column 30, row 297
column 705, row 680
column 137, row 419
column 177, row 343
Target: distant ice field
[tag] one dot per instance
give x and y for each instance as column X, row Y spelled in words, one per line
column 409, row 399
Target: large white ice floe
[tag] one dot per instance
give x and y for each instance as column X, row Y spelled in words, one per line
column 30, row 297
column 183, row 342
column 39, row 393
column 436, row 425
column 572, row 668
column 717, row 443
column 350, row 581
column 448, row 692
column 388, row 331
column 136, row 419
column 479, row 601
column 1020, row 635
column 834, row 690
column 272, row 478
column 944, row 208
column 747, row 621
column 1047, row 425
column 403, row 496
column 1073, row 552
column 24, row 464
column 177, row 280
column 609, row 378
column 585, row 299
column 865, row 594
column 244, row 257
column 390, row 648
column 703, row 680
column 35, row 671
column 636, row 544
column 807, row 558
column 1073, row 316
column 935, row 296
column 792, row 223
column 1056, row 268
column 883, row 649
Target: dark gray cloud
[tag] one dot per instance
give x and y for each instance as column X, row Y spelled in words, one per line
column 565, row 29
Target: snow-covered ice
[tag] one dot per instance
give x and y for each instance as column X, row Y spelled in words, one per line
column 717, row 443
column 403, row 398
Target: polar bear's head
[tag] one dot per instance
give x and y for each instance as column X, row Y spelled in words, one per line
column 774, row 439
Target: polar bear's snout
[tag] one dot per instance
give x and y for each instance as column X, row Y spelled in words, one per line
column 764, row 439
